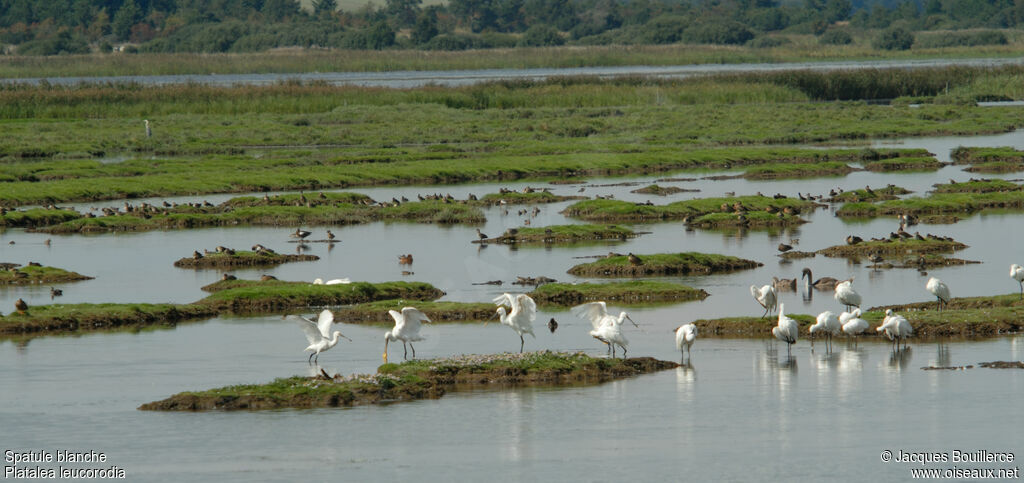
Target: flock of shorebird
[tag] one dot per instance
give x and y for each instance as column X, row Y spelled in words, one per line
column 828, row 323
column 519, row 315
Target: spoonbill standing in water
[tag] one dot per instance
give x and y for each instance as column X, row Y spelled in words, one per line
column 853, row 325
column 846, row 295
column 407, row 330
column 939, row 289
column 318, row 333
column 521, row 317
column 686, row 335
column 1017, row 273
column 765, row 296
column 896, row 328
column 787, row 331
column 827, row 322
column 607, row 327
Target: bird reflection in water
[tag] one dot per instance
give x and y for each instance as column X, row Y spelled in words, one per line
column 900, row 359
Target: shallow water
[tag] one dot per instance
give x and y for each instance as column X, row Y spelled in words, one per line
column 452, row 78
column 744, row 411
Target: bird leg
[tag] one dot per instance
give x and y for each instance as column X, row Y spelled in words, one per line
column 521, row 343
column 765, row 314
column 311, row 358
column 413, row 350
column 405, row 353
column 623, row 351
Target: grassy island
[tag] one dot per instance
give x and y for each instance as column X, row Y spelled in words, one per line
column 661, row 264
column 254, row 296
column 64, row 318
column 412, row 380
column 561, row 234
column 241, row 258
column 37, row 274
column 634, row 292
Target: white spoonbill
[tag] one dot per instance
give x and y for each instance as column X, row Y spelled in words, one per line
column 787, row 331
column 407, row 329
column 318, row 333
column 939, row 289
column 846, row 295
column 1017, row 273
column 853, row 325
column 336, row 281
column 896, row 328
column 521, row 317
column 765, row 296
column 686, row 335
column 827, row 323
column 607, row 327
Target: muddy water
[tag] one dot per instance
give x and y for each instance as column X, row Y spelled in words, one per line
column 740, row 406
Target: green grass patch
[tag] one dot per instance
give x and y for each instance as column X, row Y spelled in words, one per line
column 520, row 198
column 937, row 204
column 623, row 211
column 562, row 234
column 241, row 258
column 416, row 379
column 797, row 170
column 978, row 186
column 253, row 296
column 904, row 164
column 890, row 192
column 893, row 247
column 39, row 275
column 635, row 292
column 59, row 318
column 661, row 264
column 36, row 217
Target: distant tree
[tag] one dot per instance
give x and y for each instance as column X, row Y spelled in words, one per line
column 895, row 38
column 540, row 36
column 322, row 8
column 425, row 29
column 129, row 14
column 402, row 12
column 835, row 37
column 277, row 10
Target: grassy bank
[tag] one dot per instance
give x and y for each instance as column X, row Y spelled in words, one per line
column 662, row 264
column 637, row 292
column 691, row 210
column 989, row 160
column 241, row 258
column 253, row 296
column 377, row 312
column 427, row 379
column 31, row 274
column 46, row 319
column 561, row 234
column 937, row 204
column 890, row 192
column 909, row 246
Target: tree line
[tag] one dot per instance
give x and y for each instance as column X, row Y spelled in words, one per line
column 31, row 27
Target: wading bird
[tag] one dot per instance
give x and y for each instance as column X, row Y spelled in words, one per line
column 846, row 295
column 853, row 325
column 765, row 296
column 21, row 306
column 55, row 292
column 607, row 327
column 552, row 325
column 318, row 333
column 827, row 323
column 520, row 319
column 686, row 335
column 939, row 289
column 787, row 331
column 896, row 328
column 300, row 234
column 149, row 130
column 1017, row 273
column 823, row 283
column 407, row 329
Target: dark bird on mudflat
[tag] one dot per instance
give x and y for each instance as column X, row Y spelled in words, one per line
column 21, row 306
column 552, row 325
column 635, row 260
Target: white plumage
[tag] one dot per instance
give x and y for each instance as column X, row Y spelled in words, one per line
column 765, row 296
column 407, row 329
column 896, row 327
column 1017, row 273
column 852, row 323
column 520, row 319
column 939, row 289
column 846, row 295
column 787, row 331
column 318, row 333
column 336, row 281
column 828, row 324
column 686, row 335
column 607, row 328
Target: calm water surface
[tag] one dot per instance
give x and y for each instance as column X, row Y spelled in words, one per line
column 741, row 412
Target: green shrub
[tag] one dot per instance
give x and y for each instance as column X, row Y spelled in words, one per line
column 835, row 37
column 894, row 38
